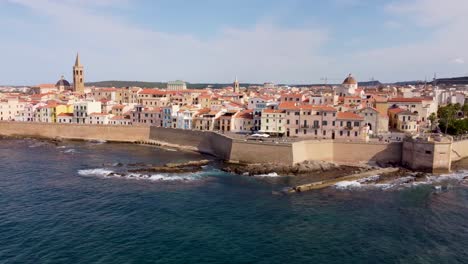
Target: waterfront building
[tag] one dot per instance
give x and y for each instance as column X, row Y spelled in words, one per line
column 224, row 122
column 273, row 122
column 176, row 85
column 78, row 76
column 151, row 116
column 243, row 122
column 120, row 121
column 65, row 118
column 82, row 109
column 10, row 108
column 98, row 119
column 350, row 126
column 205, row 119
column 377, row 122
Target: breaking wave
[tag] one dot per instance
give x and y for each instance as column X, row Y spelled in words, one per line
column 269, row 175
column 163, row 177
column 403, row 182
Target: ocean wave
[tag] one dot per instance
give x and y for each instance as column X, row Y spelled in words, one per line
column 268, row 175
column 69, row 151
column 107, row 173
column 403, row 182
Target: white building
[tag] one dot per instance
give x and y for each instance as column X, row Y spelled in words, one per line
column 98, row 119
column 176, row 86
column 10, row 108
column 81, row 111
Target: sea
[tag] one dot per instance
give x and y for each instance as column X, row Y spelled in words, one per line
column 67, row 203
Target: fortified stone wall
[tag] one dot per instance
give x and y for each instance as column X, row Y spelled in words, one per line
column 198, row 139
column 245, row 152
column 223, row 147
column 417, row 156
column 365, row 152
column 459, row 150
column 347, row 152
column 75, row 131
column 427, row 155
column 313, row 150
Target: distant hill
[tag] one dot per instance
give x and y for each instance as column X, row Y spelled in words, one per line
column 122, row 84
column 162, row 85
column 452, row 81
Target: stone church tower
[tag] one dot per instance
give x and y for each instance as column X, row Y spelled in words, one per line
column 78, row 77
column 236, row 86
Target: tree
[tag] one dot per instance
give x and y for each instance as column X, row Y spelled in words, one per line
column 447, row 115
column 465, row 109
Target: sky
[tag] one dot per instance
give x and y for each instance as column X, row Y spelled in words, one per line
column 281, row 41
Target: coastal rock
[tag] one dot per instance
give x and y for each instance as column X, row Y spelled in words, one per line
column 296, row 169
column 186, row 167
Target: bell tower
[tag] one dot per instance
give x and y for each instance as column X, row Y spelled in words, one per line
column 236, row 86
column 78, row 76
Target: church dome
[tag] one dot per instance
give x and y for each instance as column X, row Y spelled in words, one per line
column 350, row 80
column 63, row 82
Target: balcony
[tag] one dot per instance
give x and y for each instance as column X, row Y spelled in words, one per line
column 349, row 128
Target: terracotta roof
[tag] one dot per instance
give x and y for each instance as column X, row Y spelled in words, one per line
column 153, row 91
column 66, row 114
column 405, row 100
column 348, row 116
column 294, row 106
column 46, row 85
column 273, row 111
column 395, row 110
column 98, row 114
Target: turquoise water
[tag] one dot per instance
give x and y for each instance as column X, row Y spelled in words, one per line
column 56, row 208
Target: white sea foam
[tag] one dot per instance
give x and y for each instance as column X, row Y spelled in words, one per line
column 343, row 185
column 269, row 175
column 403, row 182
column 95, row 172
column 106, row 173
column 61, row 147
column 70, row 151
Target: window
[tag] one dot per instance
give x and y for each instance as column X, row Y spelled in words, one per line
column 355, row 134
column 324, row 123
column 324, row 132
column 356, row 124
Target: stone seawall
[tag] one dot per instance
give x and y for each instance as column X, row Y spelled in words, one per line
column 75, row 131
column 459, row 150
column 244, row 151
column 225, row 148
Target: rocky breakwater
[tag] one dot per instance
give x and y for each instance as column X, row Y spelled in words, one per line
column 304, row 171
column 186, row 167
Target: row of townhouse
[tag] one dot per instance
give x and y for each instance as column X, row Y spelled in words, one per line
column 303, row 120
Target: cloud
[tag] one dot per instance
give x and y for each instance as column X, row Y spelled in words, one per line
column 115, row 49
column 392, row 24
column 458, row 61
column 446, row 39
